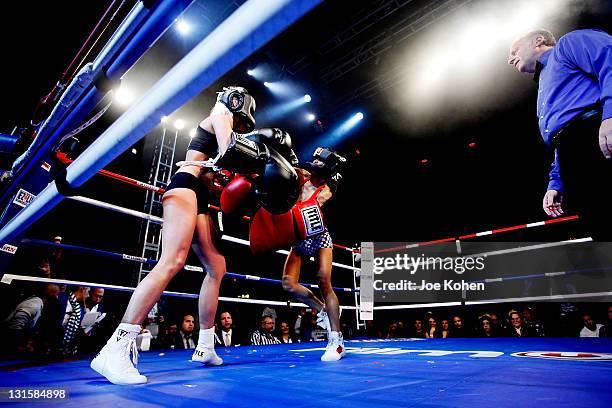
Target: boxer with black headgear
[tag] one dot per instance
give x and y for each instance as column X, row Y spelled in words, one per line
column 242, row 105
column 327, row 165
column 321, row 171
column 187, row 223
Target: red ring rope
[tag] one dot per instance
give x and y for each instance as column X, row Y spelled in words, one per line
column 62, row 157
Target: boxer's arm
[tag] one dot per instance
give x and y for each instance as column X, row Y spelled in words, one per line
column 222, row 127
column 324, row 195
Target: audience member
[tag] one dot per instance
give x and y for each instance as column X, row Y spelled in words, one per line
column 485, row 329
column 402, row 330
column 92, row 318
column 458, row 329
column 606, row 329
column 432, row 329
column 72, row 307
column 56, row 257
column 536, row 328
column 419, row 332
column 168, row 338
column 445, row 329
column 590, row 329
column 22, row 321
column 517, row 327
column 268, row 311
column 285, row 335
column 372, row 330
column 498, row 326
column 227, row 333
column 392, row 330
column 264, row 335
column 297, row 326
column 186, row 337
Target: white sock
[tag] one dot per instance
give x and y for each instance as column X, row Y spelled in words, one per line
column 207, row 338
column 334, row 335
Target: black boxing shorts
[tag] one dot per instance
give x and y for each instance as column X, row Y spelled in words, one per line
column 187, row 180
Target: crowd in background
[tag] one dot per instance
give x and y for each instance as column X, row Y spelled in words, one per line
column 55, row 320
column 516, row 322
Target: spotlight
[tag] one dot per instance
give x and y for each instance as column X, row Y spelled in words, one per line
column 179, row 124
column 123, row 96
column 259, row 72
column 283, row 89
column 310, row 117
column 134, row 151
column 283, row 108
column 307, row 98
column 182, row 27
column 164, row 119
column 340, row 131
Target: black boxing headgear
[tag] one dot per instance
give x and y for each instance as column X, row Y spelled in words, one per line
column 242, row 105
column 329, row 163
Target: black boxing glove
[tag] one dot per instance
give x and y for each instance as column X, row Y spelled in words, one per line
column 243, row 156
column 277, row 139
column 333, row 182
column 278, row 188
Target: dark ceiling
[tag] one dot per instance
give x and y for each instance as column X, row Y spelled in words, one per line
column 344, row 53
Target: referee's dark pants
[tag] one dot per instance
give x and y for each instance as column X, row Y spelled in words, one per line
column 586, row 174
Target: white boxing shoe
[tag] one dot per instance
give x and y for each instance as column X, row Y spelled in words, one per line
column 206, row 355
column 335, row 347
column 114, row 361
column 205, row 351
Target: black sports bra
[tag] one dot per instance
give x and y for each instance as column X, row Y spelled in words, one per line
column 204, row 142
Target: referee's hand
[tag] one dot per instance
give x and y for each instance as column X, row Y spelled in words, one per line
column 605, row 138
column 552, row 203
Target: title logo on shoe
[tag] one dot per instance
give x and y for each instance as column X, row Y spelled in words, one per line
column 23, row 198
column 121, row 333
column 313, row 220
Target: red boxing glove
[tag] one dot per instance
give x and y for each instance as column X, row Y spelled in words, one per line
column 269, row 232
column 235, row 194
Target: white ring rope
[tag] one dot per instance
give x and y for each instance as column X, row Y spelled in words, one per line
column 158, row 220
column 8, row 278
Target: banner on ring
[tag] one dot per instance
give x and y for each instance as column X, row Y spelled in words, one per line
column 483, row 271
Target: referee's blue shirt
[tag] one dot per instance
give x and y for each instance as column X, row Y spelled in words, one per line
column 575, row 74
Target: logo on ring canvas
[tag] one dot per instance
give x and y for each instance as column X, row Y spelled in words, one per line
column 565, row 355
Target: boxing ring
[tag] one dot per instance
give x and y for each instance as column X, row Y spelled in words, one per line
column 499, row 372
column 403, row 372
